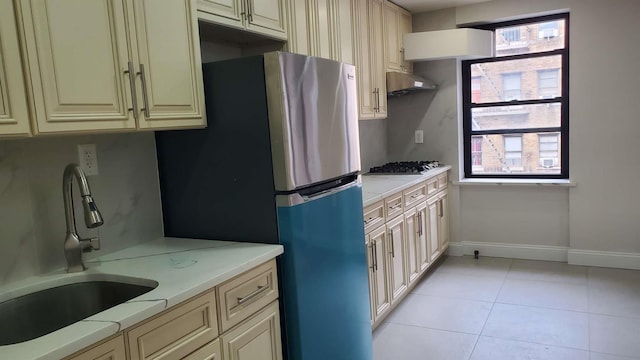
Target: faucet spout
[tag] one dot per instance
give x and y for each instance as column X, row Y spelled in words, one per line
column 74, row 246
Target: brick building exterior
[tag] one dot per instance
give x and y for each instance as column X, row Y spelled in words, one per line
column 525, row 79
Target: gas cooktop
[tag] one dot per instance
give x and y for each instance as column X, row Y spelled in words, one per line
column 404, row 167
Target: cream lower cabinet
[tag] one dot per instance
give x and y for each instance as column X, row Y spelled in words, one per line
column 14, row 113
column 405, row 233
column 237, row 320
column 264, row 17
column 112, row 65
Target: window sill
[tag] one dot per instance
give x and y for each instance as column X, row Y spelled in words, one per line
column 517, row 182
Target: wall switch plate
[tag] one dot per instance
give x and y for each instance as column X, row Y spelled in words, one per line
column 88, row 159
column 419, row 136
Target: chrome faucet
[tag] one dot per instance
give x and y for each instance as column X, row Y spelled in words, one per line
column 74, row 246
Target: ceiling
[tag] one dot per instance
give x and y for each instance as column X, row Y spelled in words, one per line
column 416, row 6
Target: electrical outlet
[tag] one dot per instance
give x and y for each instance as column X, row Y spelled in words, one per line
column 88, row 159
column 419, row 136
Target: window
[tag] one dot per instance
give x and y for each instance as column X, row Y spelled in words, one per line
column 548, row 150
column 548, row 83
column 475, row 89
column 476, row 150
column 547, row 30
column 513, row 151
column 510, row 34
column 511, row 86
column 521, row 116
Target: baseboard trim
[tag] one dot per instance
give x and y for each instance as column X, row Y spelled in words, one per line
column 515, row 251
column 605, row 259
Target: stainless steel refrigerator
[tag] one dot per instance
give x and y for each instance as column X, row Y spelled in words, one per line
column 279, row 163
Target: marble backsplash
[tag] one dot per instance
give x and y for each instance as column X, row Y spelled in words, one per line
column 373, row 143
column 32, row 224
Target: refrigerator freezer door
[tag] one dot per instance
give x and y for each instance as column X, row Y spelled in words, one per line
column 313, row 119
column 326, row 288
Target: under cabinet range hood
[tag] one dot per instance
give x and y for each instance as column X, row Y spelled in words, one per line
column 400, row 83
column 460, row 43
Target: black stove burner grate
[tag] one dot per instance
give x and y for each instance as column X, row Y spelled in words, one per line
column 404, row 167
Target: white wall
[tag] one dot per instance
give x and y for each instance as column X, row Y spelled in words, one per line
column 603, row 212
column 32, row 223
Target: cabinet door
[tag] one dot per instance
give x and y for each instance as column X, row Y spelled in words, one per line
column 170, row 71
column 443, row 229
column 376, row 24
column 364, row 61
column 298, row 27
column 346, row 11
column 406, row 27
column 267, row 17
column 397, row 258
column 432, row 226
column 226, row 12
column 77, row 58
column 392, row 47
column 320, row 16
column 424, row 258
column 112, row 349
column 14, row 114
column 381, row 300
column 258, row 338
column 412, row 232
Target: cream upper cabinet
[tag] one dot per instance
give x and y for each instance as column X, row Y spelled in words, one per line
column 14, row 113
column 122, row 64
column 168, row 64
column 397, row 22
column 77, row 57
column 265, row 17
column 322, row 28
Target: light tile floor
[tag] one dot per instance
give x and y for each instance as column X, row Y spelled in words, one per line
column 504, row 309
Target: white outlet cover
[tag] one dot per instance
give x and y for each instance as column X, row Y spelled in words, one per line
column 88, row 159
column 419, row 136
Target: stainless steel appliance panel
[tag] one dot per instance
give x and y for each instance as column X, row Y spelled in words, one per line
column 313, row 119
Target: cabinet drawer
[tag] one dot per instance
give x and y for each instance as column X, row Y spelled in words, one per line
column 112, row 349
column 176, row 333
column 442, row 181
column 414, row 195
column 373, row 216
column 257, row 338
column 247, row 293
column 211, row 351
column 393, row 206
column 432, row 186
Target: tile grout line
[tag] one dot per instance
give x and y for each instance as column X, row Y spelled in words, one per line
column 490, row 310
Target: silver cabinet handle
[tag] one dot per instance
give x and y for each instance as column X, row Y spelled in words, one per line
column 244, row 11
column 258, row 291
column 402, row 58
column 250, row 16
column 132, row 84
column 419, row 216
column 441, row 208
column 375, row 256
column 145, row 96
column 393, row 252
column 396, row 206
column 372, row 267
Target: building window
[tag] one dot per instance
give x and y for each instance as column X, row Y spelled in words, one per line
column 548, row 83
column 476, row 150
column 522, row 138
column 510, row 34
column 547, row 30
column 548, row 150
column 511, row 86
column 513, row 151
column 475, row 89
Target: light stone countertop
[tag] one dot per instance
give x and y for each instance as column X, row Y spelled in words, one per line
column 182, row 268
column 377, row 187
